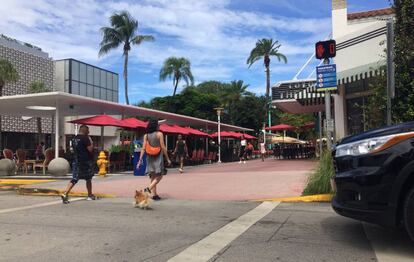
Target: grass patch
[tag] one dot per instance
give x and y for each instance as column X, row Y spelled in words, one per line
column 319, row 182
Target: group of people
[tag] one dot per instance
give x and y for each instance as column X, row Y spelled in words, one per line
column 154, row 146
column 247, row 148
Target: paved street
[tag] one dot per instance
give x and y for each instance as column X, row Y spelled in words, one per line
column 112, row 230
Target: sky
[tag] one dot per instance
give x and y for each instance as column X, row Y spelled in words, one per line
column 215, row 35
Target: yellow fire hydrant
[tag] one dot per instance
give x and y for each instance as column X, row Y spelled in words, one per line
column 102, row 162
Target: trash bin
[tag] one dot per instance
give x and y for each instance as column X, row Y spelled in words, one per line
column 137, row 153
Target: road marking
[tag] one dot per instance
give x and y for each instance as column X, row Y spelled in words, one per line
column 208, row 247
column 389, row 246
column 8, row 210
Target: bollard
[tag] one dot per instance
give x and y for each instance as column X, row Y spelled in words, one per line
column 102, row 163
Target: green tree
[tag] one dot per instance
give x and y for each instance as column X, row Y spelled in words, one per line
column 265, row 48
column 403, row 104
column 38, row 87
column 178, row 68
column 8, row 74
column 123, row 31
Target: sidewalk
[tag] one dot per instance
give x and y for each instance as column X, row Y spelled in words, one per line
column 227, row 181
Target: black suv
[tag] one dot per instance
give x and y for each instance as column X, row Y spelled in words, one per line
column 374, row 178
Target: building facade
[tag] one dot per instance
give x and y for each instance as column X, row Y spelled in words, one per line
column 68, row 75
column 32, row 65
column 79, row 78
column 360, row 61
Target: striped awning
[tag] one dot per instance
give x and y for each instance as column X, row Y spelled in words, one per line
column 361, row 72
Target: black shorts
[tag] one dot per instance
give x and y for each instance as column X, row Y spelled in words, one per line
column 82, row 170
column 241, row 153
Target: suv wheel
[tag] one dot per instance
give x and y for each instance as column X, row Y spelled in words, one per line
column 409, row 213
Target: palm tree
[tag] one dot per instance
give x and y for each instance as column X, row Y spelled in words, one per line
column 7, row 75
column 266, row 48
column 38, row 87
column 123, row 31
column 179, row 68
column 232, row 93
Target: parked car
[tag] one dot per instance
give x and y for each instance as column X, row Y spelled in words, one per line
column 374, row 178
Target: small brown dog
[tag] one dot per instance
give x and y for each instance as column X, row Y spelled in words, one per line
column 142, row 199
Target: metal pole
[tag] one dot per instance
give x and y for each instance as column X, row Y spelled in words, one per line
column 320, row 133
column 328, row 118
column 57, row 131
column 219, row 139
column 390, row 69
column 102, row 138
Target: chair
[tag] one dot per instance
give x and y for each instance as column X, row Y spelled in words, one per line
column 20, row 163
column 7, row 153
column 49, row 155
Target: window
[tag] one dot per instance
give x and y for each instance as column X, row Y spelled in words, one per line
column 103, row 79
column 67, row 86
column 109, row 95
column 82, row 72
column 75, row 88
column 115, row 96
column 115, row 82
column 96, row 76
column 89, row 91
column 96, row 92
column 82, row 88
column 89, row 74
column 108, row 80
column 75, row 70
column 103, row 94
column 66, row 69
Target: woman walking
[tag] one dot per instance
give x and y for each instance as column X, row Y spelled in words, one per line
column 262, row 149
column 242, row 153
column 155, row 148
column 181, row 151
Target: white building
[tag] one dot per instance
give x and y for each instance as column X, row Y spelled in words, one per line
column 360, row 39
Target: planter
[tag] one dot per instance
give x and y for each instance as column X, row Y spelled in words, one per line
column 58, row 167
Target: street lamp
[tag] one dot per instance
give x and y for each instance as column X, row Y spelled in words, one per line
column 219, row 111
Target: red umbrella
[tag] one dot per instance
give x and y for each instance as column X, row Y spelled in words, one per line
column 308, row 125
column 280, row 127
column 173, row 129
column 247, row 136
column 225, row 134
column 100, row 120
column 135, row 123
column 196, row 132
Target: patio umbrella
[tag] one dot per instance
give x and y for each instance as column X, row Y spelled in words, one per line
column 280, row 127
column 173, row 129
column 308, row 125
column 135, row 123
column 225, row 134
column 247, row 136
column 102, row 121
column 196, row 132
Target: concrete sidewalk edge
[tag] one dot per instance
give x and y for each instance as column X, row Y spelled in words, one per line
column 311, row 198
column 56, row 192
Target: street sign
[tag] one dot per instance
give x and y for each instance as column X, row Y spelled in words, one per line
column 330, row 125
column 326, row 78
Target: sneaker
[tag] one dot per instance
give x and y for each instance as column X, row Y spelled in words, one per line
column 244, row 162
column 240, row 162
column 90, row 198
column 65, row 199
column 156, row 197
column 147, row 190
column 180, row 169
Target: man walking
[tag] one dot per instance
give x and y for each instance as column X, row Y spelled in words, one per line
column 82, row 163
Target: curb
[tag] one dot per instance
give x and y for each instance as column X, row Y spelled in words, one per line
column 311, row 198
column 13, row 181
column 56, row 192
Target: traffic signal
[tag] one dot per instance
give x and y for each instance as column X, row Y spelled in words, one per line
column 325, row 49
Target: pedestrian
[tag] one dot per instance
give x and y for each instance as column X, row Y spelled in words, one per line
column 262, row 150
column 155, row 149
column 40, row 150
column 82, row 163
column 242, row 152
column 181, row 151
column 250, row 149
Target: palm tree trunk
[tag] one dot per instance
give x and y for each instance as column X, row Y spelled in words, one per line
column 175, row 86
column 39, row 129
column 266, row 106
column 126, row 77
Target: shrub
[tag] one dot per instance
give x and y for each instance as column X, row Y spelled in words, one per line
column 319, row 182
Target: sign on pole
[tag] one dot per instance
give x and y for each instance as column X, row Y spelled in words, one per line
column 326, row 78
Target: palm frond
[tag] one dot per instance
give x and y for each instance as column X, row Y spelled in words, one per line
column 142, row 38
column 108, row 47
